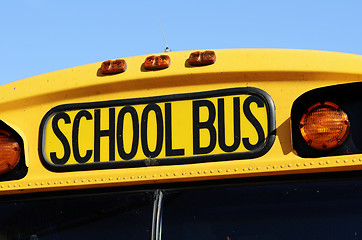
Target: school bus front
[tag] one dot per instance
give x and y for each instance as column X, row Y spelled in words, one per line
column 132, row 138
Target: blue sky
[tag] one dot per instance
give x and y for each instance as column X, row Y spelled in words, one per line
column 40, row 36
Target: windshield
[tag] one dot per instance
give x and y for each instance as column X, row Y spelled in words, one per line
column 299, row 210
column 111, row 216
column 322, row 210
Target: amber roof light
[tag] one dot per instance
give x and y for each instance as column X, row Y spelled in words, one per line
column 202, row 58
column 113, row 66
column 157, row 62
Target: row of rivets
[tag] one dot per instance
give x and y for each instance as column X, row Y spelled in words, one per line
column 200, row 172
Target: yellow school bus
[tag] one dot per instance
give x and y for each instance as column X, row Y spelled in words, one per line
column 210, row 144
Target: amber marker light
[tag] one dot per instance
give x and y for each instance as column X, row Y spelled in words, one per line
column 324, row 126
column 113, row 66
column 202, row 58
column 9, row 152
column 157, row 62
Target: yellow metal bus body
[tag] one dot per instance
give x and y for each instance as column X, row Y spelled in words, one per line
column 154, row 129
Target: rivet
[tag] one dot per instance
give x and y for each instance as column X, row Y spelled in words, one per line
column 138, row 177
column 236, row 169
column 219, row 170
column 75, row 181
column 321, row 163
column 29, row 184
column 282, row 166
column 228, row 170
column 338, row 161
column 184, row 173
column 9, row 185
column 199, row 172
column 167, row 174
column 49, row 183
column 212, row 171
column 250, row 168
column 290, row 165
column 345, row 161
column 268, row 167
column 328, row 162
column 192, row 172
column 2, row 186
column 275, row 167
column 206, row 171
column 311, row 163
column 14, row 185
column 83, row 180
column 175, row 174
column 154, row 175
column 55, row 183
column 353, row 160
column 258, row 168
column 61, row 182
column 125, row 178
column 305, row 164
column 42, row 183
column 162, row 175
column 89, row 180
column 146, row 176
column 360, row 159
column 110, row 179
column 132, row 177
column 298, row 164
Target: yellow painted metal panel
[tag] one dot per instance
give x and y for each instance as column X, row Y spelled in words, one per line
column 283, row 74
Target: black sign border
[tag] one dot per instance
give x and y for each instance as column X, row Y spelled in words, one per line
column 258, row 152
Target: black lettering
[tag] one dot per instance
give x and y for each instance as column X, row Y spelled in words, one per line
column 98, row 133
column 168, row 137
column 252, row 119
column 66, row 147
column 120, row 128
column 197, row 125
column 75, row 137
column 159, row 121
column 221, row 123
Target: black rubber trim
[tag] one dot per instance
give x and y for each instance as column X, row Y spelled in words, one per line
column 259, row 151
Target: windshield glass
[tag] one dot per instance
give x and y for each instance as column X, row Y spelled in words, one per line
column 111, row 216
column 319, row 210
